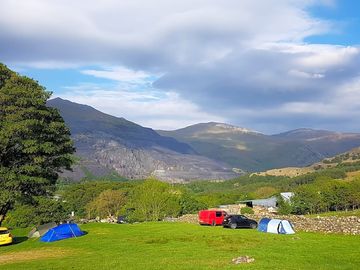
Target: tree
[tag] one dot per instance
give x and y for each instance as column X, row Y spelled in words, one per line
column 43, row 210
column 355, row 193
column 190, row 205
column 78, row 196
column 107, row 204
column 284, row 208
column 154, row 200
column 35, row 143
column 307, row 199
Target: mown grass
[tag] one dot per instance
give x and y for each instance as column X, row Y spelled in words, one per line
column 182, row 246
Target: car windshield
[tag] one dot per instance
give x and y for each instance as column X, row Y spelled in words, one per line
column 4, row 231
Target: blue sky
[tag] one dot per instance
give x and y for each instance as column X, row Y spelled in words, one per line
column 269, row 65
column 345, row 15
column 58, row 79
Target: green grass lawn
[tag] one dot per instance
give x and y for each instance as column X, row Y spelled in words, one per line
column 182, row 246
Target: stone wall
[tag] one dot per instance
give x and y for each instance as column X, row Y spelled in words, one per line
column 342, row 225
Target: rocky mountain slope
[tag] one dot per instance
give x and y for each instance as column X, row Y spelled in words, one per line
column 106, row 144
column 253, row 151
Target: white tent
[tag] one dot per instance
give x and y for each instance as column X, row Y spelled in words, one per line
column 41, row 230
column 277, row 226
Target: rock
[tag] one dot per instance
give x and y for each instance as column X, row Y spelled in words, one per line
column 243, row 259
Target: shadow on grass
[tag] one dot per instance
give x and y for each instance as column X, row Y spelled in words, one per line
column 19, row 239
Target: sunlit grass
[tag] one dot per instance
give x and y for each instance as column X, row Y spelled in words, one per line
column 183, row 246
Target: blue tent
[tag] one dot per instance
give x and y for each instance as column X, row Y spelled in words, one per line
column 61, row 232
column 275, row 226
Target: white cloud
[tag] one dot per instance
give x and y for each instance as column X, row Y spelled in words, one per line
column 245, row 61
column 147, row 109
column 172, row 31
column 119, row 74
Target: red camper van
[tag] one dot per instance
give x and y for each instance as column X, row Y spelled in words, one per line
column 211, row 217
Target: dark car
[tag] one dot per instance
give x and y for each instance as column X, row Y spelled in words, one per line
column 239, row 221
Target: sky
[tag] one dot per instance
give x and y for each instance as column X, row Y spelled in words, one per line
column 270, row 66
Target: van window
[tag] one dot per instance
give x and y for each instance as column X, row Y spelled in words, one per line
column 218, row 214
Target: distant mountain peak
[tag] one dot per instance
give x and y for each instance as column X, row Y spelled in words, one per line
column 215, row 128
column 306, row 133
column 231, row 128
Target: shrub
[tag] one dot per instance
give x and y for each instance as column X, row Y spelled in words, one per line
column 44, row 210
column 246, row 210
column 108, row 203
column 284, row 208
column 154, row 200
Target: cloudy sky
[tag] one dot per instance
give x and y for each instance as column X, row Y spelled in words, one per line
column 268, row 65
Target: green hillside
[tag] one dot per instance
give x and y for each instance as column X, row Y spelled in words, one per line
column 253, row 151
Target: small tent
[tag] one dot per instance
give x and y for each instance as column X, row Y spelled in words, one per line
column 275, row 226
column 61, row 232
column 41, row 229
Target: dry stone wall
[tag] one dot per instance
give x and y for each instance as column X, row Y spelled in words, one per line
column 341, row 225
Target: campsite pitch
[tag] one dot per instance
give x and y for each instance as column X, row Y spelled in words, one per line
column 181, row 246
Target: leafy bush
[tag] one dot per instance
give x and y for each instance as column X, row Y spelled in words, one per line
column 246, row 210
column 43, row 211
column 284, row 208
column 154, row 200
column 78, row 196
column 108, row 203
column 190, row 205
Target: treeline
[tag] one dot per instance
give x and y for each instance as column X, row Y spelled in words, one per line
column 148, row 200
column 322, row 196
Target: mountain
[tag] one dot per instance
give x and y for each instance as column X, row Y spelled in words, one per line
column 252, row 151
column 348, row 158
column 304, row 134
column 107, row 144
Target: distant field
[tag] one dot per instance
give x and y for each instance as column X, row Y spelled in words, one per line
column 338, row 214
column 182, row 246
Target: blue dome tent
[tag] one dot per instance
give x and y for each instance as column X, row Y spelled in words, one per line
column 61, row 232
column 277, row 226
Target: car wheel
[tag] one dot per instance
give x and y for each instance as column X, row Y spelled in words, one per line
column 253, row 226
column 233, row 225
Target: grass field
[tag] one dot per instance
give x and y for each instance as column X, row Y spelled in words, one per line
column 181, row 246
column 337, row 214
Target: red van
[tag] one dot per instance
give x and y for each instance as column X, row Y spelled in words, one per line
column 211, row 217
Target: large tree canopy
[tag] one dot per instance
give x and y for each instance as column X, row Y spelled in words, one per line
column 35, row 143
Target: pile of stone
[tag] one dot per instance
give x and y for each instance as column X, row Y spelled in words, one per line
column 189, row 218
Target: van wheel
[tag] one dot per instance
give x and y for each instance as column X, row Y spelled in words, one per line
column 233, row 226
column 213, row 223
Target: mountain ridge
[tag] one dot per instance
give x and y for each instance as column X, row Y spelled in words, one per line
column 107, row 143
column 254, row 151
column 202, row 151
